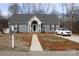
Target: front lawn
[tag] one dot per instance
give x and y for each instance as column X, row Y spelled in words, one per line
column 51, row 42
column 22, row 42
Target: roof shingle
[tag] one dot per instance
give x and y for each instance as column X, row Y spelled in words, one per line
column 23, row 18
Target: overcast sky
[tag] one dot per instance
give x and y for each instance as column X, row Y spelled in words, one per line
column 4, row 8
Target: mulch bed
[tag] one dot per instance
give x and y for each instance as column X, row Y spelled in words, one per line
column 50, row 42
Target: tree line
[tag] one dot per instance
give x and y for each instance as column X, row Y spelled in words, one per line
column 69, row 18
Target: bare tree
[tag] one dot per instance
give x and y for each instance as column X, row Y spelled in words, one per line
column 67, row 22
column 34, row 8
column 54, row 9
column 28, row 7
column 39, row 6
column 22, row 8
column 38, row 10
column 72, row 19
column 47, row 8
column 71, row 15
column 14, row 8
column 0, row 14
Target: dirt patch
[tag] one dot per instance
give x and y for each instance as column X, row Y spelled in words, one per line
column 51, row 42
column 22, row 42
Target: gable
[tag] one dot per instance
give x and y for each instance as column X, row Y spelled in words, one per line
column 34, row 18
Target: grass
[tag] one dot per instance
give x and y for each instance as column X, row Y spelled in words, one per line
column 51, row 42
column 22, row 42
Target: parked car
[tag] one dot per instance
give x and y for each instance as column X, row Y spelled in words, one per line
column 63, row 31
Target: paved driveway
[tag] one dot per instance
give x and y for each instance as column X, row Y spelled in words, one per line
column 73, row 37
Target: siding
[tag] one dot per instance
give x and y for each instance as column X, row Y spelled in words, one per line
column 10, row 26
column 52, row 28
column 57, row 26
column 46, row 28
column 23, row 28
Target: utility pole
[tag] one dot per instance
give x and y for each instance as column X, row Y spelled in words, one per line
column 63, row 16
column 72, row 7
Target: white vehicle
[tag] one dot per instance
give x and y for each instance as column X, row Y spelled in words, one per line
column 63, row 31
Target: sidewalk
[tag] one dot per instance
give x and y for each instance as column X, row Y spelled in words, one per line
column 35, row 45
column 40, row 53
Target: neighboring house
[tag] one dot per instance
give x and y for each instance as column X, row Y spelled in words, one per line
column 34, row 22
column 3, row 25
column 6, row 30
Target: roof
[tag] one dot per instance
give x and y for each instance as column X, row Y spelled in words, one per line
column 23, row 18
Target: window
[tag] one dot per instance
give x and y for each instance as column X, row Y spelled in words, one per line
column 15, row 27
column 52, row 26
column 57, row 26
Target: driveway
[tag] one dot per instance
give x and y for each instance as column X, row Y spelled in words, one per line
column 73, row 37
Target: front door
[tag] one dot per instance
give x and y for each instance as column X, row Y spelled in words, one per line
column 34, row 28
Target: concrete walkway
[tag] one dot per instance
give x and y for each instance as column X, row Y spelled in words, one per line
column 35, row 45
column 73, row 37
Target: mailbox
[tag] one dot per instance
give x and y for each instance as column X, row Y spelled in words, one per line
column 12, row 29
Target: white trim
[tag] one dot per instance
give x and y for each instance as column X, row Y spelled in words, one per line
column 12, row 27
column 34, row 18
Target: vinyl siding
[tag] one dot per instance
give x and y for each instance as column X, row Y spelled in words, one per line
column 49, row 28
column 23, row 28
column 15, row 27
column 52, row 28
column 46, row 28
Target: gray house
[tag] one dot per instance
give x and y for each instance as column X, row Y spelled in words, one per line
column 34, row 22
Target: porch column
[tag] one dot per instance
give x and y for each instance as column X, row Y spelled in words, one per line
column 39, row 27
column 29, row 28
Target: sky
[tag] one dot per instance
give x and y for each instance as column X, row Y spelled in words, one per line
column 4, row 8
